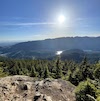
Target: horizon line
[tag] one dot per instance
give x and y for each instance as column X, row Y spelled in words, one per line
column 15, row 41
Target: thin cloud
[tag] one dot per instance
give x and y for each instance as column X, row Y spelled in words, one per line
column 27, row 24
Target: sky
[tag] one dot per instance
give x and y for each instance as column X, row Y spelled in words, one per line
column 27, row 20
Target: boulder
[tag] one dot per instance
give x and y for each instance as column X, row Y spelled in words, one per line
column 24, row 88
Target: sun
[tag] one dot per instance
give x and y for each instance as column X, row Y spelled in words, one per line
column 61, row 19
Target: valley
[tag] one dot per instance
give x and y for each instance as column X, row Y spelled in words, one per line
column 74, row 48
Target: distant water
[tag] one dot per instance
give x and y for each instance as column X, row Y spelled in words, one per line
column 59, row 52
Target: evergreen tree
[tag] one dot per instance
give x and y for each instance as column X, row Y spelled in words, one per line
column 15, row 70
column 86, row 69
column 85, row 91
column 97, row 71
column 46, row 72
column 58, row 73
column 33, row 72
column 81, row 73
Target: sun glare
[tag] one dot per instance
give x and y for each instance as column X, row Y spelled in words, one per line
column 61, row 19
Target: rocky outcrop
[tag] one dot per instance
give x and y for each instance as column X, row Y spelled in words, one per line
column 24, row 88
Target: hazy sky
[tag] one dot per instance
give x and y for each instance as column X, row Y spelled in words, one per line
column 22, row 20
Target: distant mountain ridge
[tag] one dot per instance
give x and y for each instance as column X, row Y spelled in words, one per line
column 84, row 43
column 73, row 48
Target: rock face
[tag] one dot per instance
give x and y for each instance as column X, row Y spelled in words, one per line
column 24, row 88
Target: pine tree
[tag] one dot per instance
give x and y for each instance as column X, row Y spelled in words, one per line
column 85, row 91
column 58, row 73
column 33, row 72
column 15, row 70
column 85, row 69
column 97, row 71
column 46, row 72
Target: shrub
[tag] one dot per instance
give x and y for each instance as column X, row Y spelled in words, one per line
column 85, row 91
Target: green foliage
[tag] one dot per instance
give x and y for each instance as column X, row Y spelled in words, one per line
column 33, row 72
column 58, row 73
column 67, row 70
column 98, row 93
column 85, row 91
column 83, row 71
column 97, row 71
column 2, row 74
column 98, row 98
column 46, row 72
column 76, row 77
column 86, row 69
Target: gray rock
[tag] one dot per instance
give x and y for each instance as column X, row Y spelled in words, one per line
column 24, row 88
